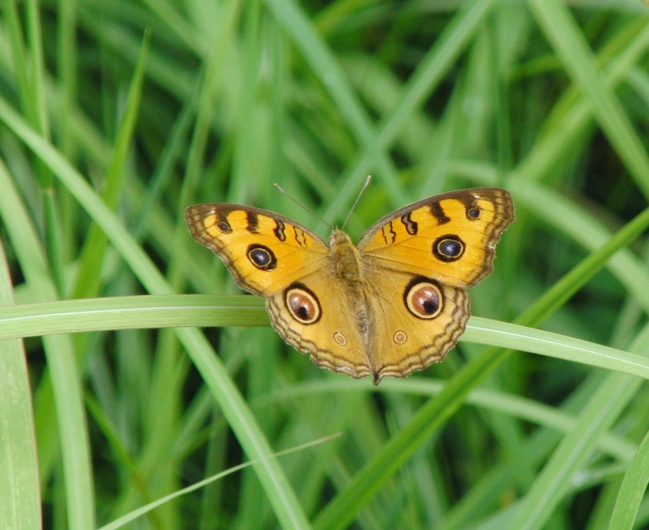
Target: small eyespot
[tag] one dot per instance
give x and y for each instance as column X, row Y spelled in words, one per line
column 262, row 257
column 223, row 226
column 340, row 338
column 424, row 300
column 400, row 337
column 448, row 248
column 304, row 306
column 473, row 213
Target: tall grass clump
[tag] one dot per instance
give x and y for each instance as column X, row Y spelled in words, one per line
column 139, row 388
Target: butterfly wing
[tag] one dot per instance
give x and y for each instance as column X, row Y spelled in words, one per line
column 450, row 237
column 269, row 255
column 320, row 316
column 264, row 251
column 416, row 321
column 418, row 262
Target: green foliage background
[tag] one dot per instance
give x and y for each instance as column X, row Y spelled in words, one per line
column 115, row 116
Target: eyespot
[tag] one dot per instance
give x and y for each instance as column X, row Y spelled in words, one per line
column 304, row 306
column 262, row 257
column 473, row 213
column 340, row 338
column 423, row 299
column 223, row 226
column 448, row 248
column 400, row 337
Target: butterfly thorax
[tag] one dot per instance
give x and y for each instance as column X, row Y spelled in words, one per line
column 345, row 258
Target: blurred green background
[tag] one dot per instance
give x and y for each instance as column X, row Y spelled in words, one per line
column 115, row 116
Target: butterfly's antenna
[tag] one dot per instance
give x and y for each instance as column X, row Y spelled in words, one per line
column 281, row 190
column 360, row 194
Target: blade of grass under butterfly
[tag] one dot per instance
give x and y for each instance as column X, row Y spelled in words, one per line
column 131, row 312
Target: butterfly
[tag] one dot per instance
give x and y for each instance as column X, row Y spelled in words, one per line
column 393, row 303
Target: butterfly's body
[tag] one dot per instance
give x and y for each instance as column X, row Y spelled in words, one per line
column 345, row 258
column 394, row 303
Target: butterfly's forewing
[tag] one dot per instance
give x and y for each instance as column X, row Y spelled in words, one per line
column 449, row 237
column 265, row 252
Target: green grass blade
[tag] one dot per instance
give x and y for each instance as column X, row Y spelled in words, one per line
column 564, row 34
column 632, row 490
column 20, row 506
column 324, row 64
column 87, row 283
column 576, row 448
column 66, row 381
column 131, row 312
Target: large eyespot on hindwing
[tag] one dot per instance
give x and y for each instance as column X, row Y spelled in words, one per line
column 449, row 247
column 302, row 304
column 262, row 257
column 423, row 298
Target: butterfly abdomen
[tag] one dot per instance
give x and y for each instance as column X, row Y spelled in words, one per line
column 349, row 267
